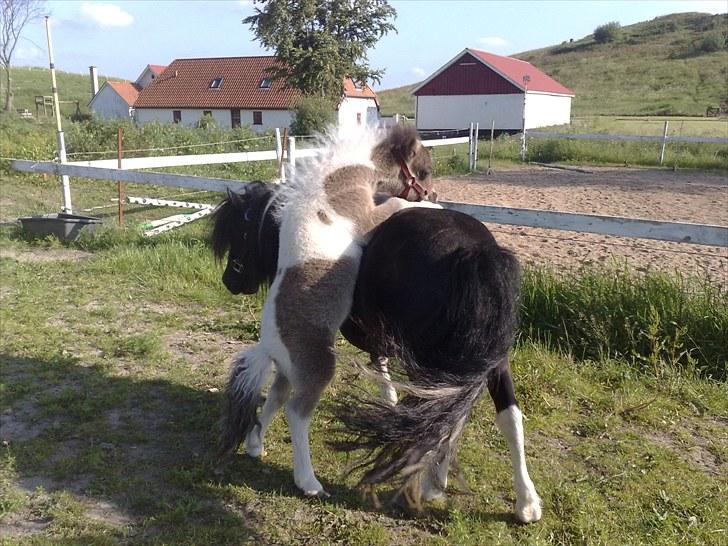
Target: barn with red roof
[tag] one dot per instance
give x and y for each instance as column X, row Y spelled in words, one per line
column 116, row 99
column 476, row 86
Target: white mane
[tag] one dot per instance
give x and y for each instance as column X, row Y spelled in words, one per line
column 339, row 148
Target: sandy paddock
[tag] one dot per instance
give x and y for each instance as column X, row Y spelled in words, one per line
column 684, row 196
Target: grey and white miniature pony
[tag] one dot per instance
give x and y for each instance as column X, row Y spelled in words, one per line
column 328, row 213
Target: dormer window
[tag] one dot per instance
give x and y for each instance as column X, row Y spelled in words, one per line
column 216, row 83
column 265, row 83
column 359, row 86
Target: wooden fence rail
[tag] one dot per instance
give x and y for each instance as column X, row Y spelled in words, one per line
column 606, row 225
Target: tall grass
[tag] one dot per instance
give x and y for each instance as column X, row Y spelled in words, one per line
column 653, row 320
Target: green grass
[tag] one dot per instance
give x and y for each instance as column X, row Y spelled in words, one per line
column 112, row 365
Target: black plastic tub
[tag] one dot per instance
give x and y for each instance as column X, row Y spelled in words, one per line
column 67, row 227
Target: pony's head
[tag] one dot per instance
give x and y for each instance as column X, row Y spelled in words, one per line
column 248, row 233
column 403, row 162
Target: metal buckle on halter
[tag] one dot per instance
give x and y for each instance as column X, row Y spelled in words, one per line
column 237, row 266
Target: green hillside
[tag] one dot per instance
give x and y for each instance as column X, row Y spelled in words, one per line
column 659, row 67
column 31, row 81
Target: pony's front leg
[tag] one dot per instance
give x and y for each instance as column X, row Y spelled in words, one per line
column 385, row 387
column 509, row 421
column 278, row 393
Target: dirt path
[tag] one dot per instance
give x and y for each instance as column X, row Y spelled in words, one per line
column 684, row 196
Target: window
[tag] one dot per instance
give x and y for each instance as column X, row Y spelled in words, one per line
column 176, row 116
column 235, row 118
column 265, row 83
column 257, row 118
column 359, row 86
column 207, row 113
column 358, row 118
column 216, row 83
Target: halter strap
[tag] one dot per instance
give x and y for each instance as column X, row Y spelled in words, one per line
column 410, row 182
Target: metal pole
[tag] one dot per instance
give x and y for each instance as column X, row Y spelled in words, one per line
column 664, row 141
column 60, row 140
column 526, row 79
column 120, row 185
column 475, row 146
column 470, row 146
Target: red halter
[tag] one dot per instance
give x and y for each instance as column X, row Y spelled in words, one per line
column 410, row 182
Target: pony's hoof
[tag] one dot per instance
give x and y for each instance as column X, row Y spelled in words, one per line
column 256, row 452
column 321, row 494
column 254, row 444
column 529, row 510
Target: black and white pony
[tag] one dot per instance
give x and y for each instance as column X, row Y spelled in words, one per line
column 434, row 289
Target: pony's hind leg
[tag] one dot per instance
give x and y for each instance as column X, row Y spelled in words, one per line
column 277, row 395
column 248, row 374
column 381, row 363
column 311, row 376
column 509, row 421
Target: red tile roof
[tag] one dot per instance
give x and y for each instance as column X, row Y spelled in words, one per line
column 514, row 70
column 350, row 90
column 127, row 91
column 186, row 84
column 157, row 68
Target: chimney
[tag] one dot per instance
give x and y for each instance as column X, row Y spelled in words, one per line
column 94, row 73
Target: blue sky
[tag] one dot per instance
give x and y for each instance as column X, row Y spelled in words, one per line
column 121, row 37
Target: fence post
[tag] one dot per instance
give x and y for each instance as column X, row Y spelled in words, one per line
column 292, row 154
column 475, row 146
column 664, row 141
column 490, row 157
column 470, row 146
column 120, row 185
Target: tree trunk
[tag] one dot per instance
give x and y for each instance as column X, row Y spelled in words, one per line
column 8, row 90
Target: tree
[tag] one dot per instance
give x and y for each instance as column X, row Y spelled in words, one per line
column 312, row 114
column 607, row 33
column 15, row 15
column 321, row 42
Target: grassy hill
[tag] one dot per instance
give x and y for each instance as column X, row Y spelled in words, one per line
column 654, row 67
column 31, row 81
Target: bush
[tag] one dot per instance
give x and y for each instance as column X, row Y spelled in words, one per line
column 715, row 41
column 312, row 115
column 607, row 33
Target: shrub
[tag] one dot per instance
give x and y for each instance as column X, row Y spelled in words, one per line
column 714, row 41
column 607, row 33
column 312, row 115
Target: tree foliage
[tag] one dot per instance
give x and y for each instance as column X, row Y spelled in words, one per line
column 312, row 114
column 15, row 15
column 321, row 42
column 607, row 33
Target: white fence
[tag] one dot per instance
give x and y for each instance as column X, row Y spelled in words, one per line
column 701, row 234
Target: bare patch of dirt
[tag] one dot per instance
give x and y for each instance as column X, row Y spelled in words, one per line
column 682, row 196
column 697, row 455
column 43, row 255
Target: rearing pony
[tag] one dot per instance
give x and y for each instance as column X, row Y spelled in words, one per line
column 328, row 213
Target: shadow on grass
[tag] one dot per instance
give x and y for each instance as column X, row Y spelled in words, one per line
column 137, row 454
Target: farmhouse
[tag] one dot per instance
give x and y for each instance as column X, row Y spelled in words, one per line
column 481, row 87
column 237, row 91
column 116, row 99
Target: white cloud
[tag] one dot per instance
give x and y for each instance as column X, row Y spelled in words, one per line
column 493, row 41
column 106, row 15
column 28, row 53
column 417, row 71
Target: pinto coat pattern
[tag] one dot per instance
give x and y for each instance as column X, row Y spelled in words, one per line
column 327, row 215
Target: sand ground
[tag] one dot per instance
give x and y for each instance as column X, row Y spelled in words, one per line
column 655, row 194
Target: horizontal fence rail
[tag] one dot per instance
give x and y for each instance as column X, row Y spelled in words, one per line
column 643, row 138
column 679, row 232
column 605, row 225
column 179, row 160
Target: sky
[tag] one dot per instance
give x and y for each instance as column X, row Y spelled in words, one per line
column 121, row 37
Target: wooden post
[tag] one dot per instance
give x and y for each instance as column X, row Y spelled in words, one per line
column 664, row 141
column 470, row 146
column 120, row 185
column 475, row 146
column 292, row 154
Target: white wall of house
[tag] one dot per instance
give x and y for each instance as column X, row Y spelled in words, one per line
column 352, row 109
column 458, row 111
column 107, row 104
column 543, row 110
column 146, row 77
column 270, row 118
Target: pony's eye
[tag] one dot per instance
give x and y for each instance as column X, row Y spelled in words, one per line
column 423, row 174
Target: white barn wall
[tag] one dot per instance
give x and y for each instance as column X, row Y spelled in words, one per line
column 543, row 110
column 191, row 116
column 107, row 104
column 458, row 111
column 146, row 77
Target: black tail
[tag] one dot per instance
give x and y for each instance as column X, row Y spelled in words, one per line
column 471, row 338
